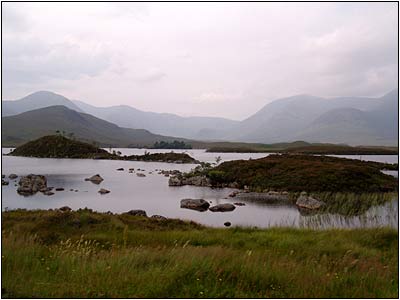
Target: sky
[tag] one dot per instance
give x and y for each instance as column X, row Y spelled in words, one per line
column 198, row 59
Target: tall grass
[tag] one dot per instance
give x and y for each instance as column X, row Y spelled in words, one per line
column 127, row 256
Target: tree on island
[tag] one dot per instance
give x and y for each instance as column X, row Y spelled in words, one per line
column 172, row 145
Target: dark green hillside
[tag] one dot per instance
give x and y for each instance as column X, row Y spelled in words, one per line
column 34, row 124
column 59, row 147
column 306, row 173
column 164, row 157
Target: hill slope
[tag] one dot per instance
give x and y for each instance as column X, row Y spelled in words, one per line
column 31, row 125
column 34, row 101
column 351, row 120
column 161, row 123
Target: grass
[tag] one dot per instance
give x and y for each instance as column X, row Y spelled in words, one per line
column 47, row 254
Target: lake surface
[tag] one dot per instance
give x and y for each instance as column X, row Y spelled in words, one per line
column 152, row 193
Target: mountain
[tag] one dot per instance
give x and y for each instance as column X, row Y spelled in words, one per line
column 34, row 101
column 33, row 124
column 350, row 120
column 161, row 123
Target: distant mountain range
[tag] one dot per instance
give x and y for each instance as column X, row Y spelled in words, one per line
column 36, row 123
column 346, row 120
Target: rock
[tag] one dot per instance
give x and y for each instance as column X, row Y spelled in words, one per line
column 239, row 204
column 13, row 176
column 131, row 169
column 140, row 175
column 227, row 224
column 308, row 202
column 48, row 193
column 103, row 191
column 120, row 169
column 196, row 204
column 233, row 194
column 158, row 217
column 65, row 209
column 59, row 189
column 45, row 189
column 3, row 176
column 71, row 190
column 31, row 184
column 222, row 207
column 96, row 179
column 137, row 212
column 166, row 175
column 4, row 182
column 174, row 181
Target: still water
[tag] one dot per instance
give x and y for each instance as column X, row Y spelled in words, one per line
column 152, row 193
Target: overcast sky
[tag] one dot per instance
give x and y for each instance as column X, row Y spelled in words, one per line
column 217, row 59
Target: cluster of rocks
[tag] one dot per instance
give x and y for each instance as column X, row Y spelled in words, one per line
column 203, row 205
column 168, row 173
column 31, row 184
column 142, row 213
column 179, row 180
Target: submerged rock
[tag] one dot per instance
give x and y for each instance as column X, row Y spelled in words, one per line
column 308, row 202
column 239, row 204
column 96, row 179
column 196, row 204
column 137, row 212
column 222, row 207
column 103, row 191
column 59, row 189
column 31, row 184
column 48, row 193
column 140, row 175
column 13, row 176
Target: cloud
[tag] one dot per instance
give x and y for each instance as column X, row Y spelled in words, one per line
column 151, row 75
column 182, row 57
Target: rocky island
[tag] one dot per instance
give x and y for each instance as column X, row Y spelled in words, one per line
column 57, row 146
column 310, row 182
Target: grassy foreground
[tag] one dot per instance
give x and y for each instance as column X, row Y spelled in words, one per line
column 86, row 254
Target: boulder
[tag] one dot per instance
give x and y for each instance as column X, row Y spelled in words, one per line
column 103, row 191
column 96, row 179
column 31, row 184
column 174, row 181
column 137, row 212
column 196, row 204
column 222, row 207
column 308, row 202
column 59, row 189
column 13, row 176
column 140, row 175
column 227, row 224
column 120, row 169
column 158, row 217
